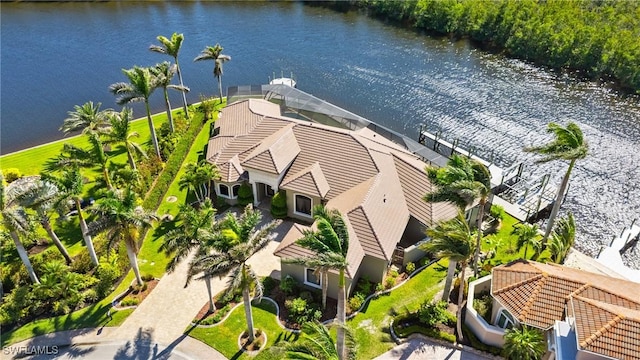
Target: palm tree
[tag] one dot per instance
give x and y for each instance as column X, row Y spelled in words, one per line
column 172, row 47
column 452, row 239
column 317, row 343
column 524, row 343
column 197, row 178
column 215, row 53
column 121, row 133
column 164, row 73
column 122, row 219
column 41, row 196
column 568, row 144
column 527, row 236
column 70, row 186
column 195, row 229
column 562, row 238
column 88, row 118
column 330, row 243
column 74, row 156
column 462, row 182
column 140, row 87
column 15, row 220
column 239, row 240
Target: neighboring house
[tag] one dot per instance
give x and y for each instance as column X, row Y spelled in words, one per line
column 584, row 315
column 376, row 184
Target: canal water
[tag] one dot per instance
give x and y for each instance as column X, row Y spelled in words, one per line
column 57, row 55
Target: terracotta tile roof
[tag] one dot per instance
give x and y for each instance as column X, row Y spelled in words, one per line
column 606, row 329
column 606, row 310
column 274, row 153
column 309, row 180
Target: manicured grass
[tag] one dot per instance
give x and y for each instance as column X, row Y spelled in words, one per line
column 224, row 337
column 372, row 325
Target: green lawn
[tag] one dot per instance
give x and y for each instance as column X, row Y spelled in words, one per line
column 224, row 337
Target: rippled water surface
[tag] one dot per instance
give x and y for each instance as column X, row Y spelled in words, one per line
column 55, row 56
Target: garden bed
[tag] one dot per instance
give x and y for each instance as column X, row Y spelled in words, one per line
column 135, row 295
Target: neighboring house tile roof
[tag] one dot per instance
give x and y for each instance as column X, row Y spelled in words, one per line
column 606, row 310
column 376, row 183
column 309, row 180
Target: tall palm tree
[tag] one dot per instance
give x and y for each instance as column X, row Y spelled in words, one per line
column 527, row 237
column 164, row 73
column 562, row 238
column 317, row 343
column 193, row 233
column 197, row 178
column 330, row 243
column 172, row 47
column 121, row 133
column 524, row 343
column 462, row 182
column 72, row 155
column 88, row 118
column 122, row 219
column 70, row 187
column 41, row 196
column 452, row 239
column 568, row 144
column 240, row 239
column 140, row 87
column 215, row 53
column 15, row 220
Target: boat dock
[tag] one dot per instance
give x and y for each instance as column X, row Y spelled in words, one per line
column 611, row 256
column 523, row 196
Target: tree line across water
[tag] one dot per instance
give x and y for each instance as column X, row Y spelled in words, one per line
column 598, row 39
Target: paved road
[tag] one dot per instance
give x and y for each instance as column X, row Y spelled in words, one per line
column 118, row 351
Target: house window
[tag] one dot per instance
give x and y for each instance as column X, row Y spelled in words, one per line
column 303, row 205
column 504, row 319
column 224, row 190
column 235, row 189
column 311, row 279
column 269, row 190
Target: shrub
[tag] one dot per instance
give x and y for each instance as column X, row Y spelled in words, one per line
column 393, row 273
column 11, row 174
column 379, row 287
column 431, row 313
column 218, row 316
column 82, row 263
column 497, row 212
column 410, row 267
column 288, row 285
column 483, row 304
column 389, row 282
column 279, row 205
column 356, row 301
column 108, row 272
column 364, row 286
column 300, row 311
column 245, row 195
column 221, row 204
column 147, row 277
column 268, row 284
column 129, row 302
column 456, row 287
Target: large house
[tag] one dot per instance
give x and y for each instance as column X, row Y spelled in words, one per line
column 584, row 315
column 375, row 183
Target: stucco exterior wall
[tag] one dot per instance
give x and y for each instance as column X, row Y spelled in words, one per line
column 291, row 206
column 297, row 272
column 485, row 332
column 374, row 269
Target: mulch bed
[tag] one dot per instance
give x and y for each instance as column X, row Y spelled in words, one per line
column 204, row 310
column 141, row 295
column 280, row 297
column 257, row 343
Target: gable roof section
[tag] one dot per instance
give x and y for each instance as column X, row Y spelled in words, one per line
column 274, row 153
column 606, row 329
column 537, row 293
column 231, row 170
column 216, row 144
column 309, row 180
column 239, row 118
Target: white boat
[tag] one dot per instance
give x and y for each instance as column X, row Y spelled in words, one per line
column 283, row 81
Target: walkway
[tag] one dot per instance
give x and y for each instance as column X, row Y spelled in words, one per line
column 419, row 349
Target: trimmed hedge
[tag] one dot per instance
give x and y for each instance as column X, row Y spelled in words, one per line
column 279, row 205
column 245, row 195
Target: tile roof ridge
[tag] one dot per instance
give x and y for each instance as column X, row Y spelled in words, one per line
column 578, row 290
column 519, row 283
column 302, row 172
column 533, row 296
column 614, row 309
column 366, row 217
column 368, row 149
column 603, row 330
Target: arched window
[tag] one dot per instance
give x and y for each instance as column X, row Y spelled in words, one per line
column 235, row 189
column 224, row 190
column 303, row 205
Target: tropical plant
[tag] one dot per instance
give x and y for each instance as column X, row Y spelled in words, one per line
column 524, row 343
column 462, row 182
column 452, row 239
column 70, row 186
column 316, row 343
column 121, row 134
column 41, row 196
column 330, row 244
column 120, row 216
column 164, row 73
column 568, row 144
column 562, row 238
column 88, row 118
column 140, row 87
column 239, row 240
column 215, row 53
column 15, row 220
column 195, row 227
column 197, row 178
column 172, row 47
column 527, row 236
